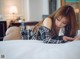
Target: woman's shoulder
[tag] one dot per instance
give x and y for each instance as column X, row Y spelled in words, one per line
column 47, row 22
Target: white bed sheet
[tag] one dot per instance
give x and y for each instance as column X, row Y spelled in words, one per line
column 34, row 49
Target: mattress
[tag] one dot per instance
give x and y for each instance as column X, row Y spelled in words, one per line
column 35, row 49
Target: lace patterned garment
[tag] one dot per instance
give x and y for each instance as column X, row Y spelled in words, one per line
column 26, row 34
column 43, row 34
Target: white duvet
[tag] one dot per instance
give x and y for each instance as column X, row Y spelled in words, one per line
column 33, row 49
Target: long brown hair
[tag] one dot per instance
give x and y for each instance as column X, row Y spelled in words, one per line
column 67, row 12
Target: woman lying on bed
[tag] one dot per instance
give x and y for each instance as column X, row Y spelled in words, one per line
column 59, row 27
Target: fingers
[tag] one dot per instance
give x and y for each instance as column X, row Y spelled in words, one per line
column 66, row 38
column 70, row 38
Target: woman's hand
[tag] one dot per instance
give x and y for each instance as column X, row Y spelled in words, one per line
column 77, row 38
column 66, row 38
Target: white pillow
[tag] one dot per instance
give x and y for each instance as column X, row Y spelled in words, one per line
column 78, row 33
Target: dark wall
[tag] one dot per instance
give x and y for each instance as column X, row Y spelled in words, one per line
column 3, row 27
column 52, row 6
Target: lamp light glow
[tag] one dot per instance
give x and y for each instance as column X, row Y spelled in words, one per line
column 13, row 10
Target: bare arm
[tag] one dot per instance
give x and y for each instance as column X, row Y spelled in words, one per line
column 47, row 23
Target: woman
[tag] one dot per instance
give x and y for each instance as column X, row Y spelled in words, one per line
column 63, row 20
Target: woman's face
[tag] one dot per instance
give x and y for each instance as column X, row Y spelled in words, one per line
column 61, row 22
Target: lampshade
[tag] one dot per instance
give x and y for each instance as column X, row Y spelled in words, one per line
column 13, row 10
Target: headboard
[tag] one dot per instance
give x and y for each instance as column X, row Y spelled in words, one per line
column 31, row 23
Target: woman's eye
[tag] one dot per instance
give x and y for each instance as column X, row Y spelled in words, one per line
column 58, row 19
column 64, row 23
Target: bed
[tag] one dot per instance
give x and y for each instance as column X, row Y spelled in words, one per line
column 35, row 49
